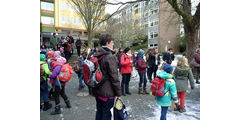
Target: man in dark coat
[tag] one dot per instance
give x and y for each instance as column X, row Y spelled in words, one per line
column 78, row 45
column 168, row 56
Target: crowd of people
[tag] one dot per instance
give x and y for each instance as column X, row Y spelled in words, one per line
column 112, row 65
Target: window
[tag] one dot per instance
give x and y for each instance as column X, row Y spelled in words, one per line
column 146, row 14
column 151, row 23
column 47, row 20
column 146, row 25
column 63, row 20
column 47, row 6
column 68, row 20
column 151, row 45
column 79, row 22
column 62, row 5
column 74, row 21
column 154, row 11
column 137, row 11
column 155, row 44
column 68, row 6
column 156, row 22
column 153, row 35
column 136, row 6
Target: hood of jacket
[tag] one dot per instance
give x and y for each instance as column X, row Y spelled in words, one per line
column 102, row 51
column 164, row 75
column 182, row 68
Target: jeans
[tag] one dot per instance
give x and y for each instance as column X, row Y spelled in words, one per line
column 103, row 109
column 143, row 80
column 163, row 113
column 59, row 91
column 79, row 50
column 125, row 83
column 181, row 98
column 80, row 76
column 44, row 92
column 197, row 74
column 72, row 48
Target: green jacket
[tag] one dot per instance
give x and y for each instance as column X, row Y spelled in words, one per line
column 182, row 76
column 169, row 89
column 53, row 41
column 46, row 71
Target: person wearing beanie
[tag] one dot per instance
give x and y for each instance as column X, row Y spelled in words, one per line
column 44, row 85
column 59, row 86
column 126, row 70
column 183, row 74
column 141, row 66
column 169, row 90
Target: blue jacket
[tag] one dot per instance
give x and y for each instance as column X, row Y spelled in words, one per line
column 54, row 75
column 169, row 89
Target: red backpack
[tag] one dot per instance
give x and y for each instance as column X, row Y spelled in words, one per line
column 157, row 87
column 68, row 47
column 92, row 76
column 66, row 73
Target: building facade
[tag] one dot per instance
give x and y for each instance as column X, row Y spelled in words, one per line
column 156, row 19
column 67, row 20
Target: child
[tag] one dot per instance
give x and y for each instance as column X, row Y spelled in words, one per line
column 59, row 86
column 44, row 85
column 141, row 67
column 183, row 74
column 80, row 72
column 169, row 90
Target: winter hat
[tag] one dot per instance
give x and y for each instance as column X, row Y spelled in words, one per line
column 61, row 50
column 55, row 54
column 140, row 51
column 126, row 50
column 42, row 57
column 60, row 61
column 50, row 53
column 59, row 53
column 168, row 68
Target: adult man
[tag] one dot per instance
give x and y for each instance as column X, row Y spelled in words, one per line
column 78, row 45
column 110, row 89
column 168, row 56
column 71, row 41
column 53, row 41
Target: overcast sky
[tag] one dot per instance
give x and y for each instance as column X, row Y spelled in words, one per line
column 112, row 8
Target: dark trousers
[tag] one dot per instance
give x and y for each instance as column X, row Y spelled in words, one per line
column 143, row 80
column 59, row 91
column 153, row 71
column 78, row 50
column 103, row 109
column 163, row 113
column 67, row 55
column 125, row 83
column 197, row 74
column 44, row 92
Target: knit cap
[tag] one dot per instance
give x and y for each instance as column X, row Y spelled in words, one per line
column 168, row 68
column 140, row 51
column 42, row 57
column 126, row 50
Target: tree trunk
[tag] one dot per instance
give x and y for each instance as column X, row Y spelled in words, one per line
column 89, row 39
column 191, row 42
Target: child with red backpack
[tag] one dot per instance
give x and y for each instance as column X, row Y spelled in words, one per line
column 168, row 92
column 59, row 85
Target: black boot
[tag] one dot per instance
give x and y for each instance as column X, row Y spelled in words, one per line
column 47, row 106
column 57, row 110
column 68, row 104
column 145, row 91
